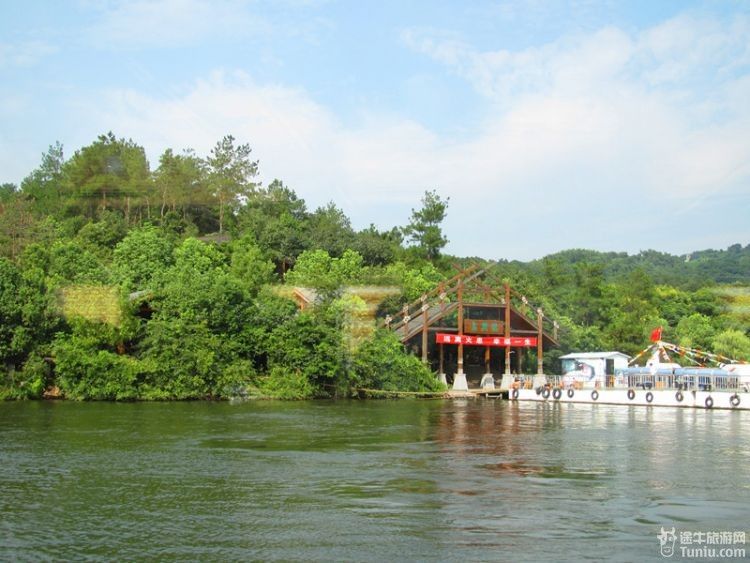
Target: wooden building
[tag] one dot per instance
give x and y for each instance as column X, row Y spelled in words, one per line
column 473, row 328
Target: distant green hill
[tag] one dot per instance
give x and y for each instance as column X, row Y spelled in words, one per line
column 697, row 269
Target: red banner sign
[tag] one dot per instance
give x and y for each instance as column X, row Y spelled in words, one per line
column 472, row 340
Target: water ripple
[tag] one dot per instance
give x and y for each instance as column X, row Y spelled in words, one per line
column 364, row 481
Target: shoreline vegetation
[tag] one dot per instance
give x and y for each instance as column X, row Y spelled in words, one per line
column 190, row 280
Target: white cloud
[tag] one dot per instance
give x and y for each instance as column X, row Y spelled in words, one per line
column 662, row 105
column 600, row 140
column 295, row 138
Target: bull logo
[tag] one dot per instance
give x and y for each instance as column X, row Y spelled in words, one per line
column 667, row 540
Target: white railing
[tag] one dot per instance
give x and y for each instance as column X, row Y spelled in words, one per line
column 698, row 382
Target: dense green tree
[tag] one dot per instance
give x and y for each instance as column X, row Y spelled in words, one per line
column 311, row 345
column 583, row 338
column 85, row 371
column 556, row 273
column 732, row 344
column 278, row 220
column 674, row 303
column 590, row 299
column 100, row 237
column 199, row 290
column 285, row 238
column 695, row 331
column 71, row 262
column 110, row 173
column 16, row 225
column 230, row 174
column 267, row 312
column 424, row 226
column 330, row 230
column 381, row 363
column 634, row 314
column 181, row 183
column 249, row 266
column 141, row 257
column 12, row 332
column 277, row 200
column 7, row 192
column 377, row 248
column 27, row 323
column 183, row 359
column 414, row 282
column 44, row 185
column 316, row 269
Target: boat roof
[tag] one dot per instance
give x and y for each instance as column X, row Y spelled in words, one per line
column 593, row 355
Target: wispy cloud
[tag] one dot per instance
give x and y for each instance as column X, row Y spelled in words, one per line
column 24, row 54
column 668, row 105
column 296, row 138
column 173, row 23
column 143, row 24
column 579, row 129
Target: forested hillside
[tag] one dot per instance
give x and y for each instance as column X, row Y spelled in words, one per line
column 690, row 271
column 119, row 280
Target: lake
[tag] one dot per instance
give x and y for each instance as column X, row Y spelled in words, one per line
column 478, row 480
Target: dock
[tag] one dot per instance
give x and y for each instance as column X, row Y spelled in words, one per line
column 478, row 393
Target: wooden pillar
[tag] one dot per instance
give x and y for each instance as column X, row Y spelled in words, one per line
column 507, row 328
column 460, row 326
column 540, row 342
column 442, row 370
column 425, row 308
column 487, row 359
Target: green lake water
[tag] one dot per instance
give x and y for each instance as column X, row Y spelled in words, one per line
column 474, row 480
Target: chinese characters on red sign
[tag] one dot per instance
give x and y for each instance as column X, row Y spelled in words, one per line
column 471, row 340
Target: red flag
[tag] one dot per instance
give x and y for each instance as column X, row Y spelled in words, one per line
column 656, row 335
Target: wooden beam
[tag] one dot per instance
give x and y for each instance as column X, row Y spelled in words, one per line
column 468, row 274
column 460, row 325
column 507, row 327
column 540, row 342
column 425, row 308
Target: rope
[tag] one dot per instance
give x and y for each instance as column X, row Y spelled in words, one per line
column 695, row 354
column 631, row 362
column 692, row 353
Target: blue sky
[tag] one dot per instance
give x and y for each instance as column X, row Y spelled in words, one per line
column 551, row 125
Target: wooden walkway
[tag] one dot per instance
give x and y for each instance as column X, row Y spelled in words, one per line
column 476, row 393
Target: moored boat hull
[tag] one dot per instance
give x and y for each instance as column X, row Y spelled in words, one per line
column 639, row 397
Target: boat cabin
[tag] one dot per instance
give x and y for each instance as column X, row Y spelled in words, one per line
column 592, row 368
